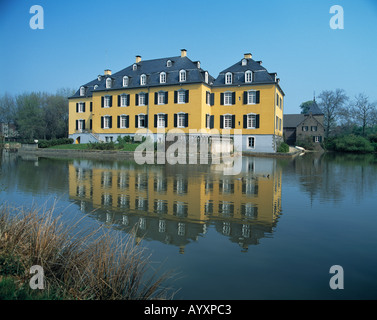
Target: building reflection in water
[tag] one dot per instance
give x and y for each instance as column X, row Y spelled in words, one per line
column 177, row 204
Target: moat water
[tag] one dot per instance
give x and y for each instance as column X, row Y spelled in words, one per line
column 272, row 231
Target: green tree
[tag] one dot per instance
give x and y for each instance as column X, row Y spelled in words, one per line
column 29, row 115
column 305, row 106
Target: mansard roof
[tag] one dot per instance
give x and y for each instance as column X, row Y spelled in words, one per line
column 194, row 74
column 260, row 74
column 152, row 70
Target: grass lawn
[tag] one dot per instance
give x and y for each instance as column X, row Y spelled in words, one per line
column 83, row 146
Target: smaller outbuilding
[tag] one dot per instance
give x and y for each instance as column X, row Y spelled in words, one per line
column 304, row 126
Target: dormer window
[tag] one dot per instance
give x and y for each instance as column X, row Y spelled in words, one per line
column 95, row 87
column 248, row 76
column 99, row 78
column 168, row 63
column 182, row 75
column 162, row 77
column 244, row 62
column 143, row 80
column 206, row 77
column 134, row 67
column 125, row 81
column 108, row 83
column 82, row 91
column 228, row 78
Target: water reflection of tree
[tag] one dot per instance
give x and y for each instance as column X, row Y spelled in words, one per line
column 34, row 176
column 333, row 176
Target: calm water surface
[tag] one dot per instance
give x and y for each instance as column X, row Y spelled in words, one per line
column 271, row 232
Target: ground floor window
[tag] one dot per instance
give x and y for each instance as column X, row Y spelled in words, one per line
column 317, row 138
column 251, row 142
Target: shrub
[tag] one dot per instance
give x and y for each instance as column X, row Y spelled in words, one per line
column 283, row 148
column 54, row 142
column 101, row 145
column 351, row 143
column 306, row 143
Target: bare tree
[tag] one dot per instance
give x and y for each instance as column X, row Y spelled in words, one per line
column 332, row 105
column 362, row 111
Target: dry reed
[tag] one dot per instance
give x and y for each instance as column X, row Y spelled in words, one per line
column 84, row 265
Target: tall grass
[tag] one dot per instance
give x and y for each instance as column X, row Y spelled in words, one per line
column 88, row 265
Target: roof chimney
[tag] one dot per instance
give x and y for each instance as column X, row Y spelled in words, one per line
column 108, row 72
column 247, row 55
column 183, row 53
column 138, row 59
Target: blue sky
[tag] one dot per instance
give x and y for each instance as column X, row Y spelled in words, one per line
column 293, row 38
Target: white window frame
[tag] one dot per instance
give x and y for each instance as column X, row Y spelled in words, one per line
column 228, row 98
column 161, row 97
column 244, row 62
column 82, row 91
column 248, row 76
column 182, row 76
column 80, row 125
column 226, row 119
column 208, row 121
column 81, row 107
column 181, row 118
column 251, row 119
column 181, row 98
column 143, row 80
column 316, row 139
column 123, row 100
column 95, row 87
column 248, row 142
column 106, row 122
column 141, row 99
column 168, row 63
column 134, row 67
column 251, row 97
column 125, row 81
column 163, row 77
column 123, row 118
column 139, row 120
column 228, row 78
column 206, row 77
column 161, row 120
column 106, row 102
column 108, row 83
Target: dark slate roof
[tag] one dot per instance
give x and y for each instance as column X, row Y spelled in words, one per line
column 152, row 69
column 260, row 74
column 314, row 109
column 292, row 120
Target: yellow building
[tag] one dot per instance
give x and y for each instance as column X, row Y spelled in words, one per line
column 168, row 93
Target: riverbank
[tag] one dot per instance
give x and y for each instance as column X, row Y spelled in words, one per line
column 85, row 265
column 118, row 154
